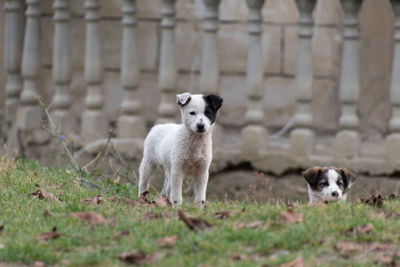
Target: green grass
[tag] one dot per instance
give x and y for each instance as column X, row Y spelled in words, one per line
column 81, row 244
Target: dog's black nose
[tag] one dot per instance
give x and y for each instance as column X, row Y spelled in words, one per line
column 200, row 127
column 335, row 194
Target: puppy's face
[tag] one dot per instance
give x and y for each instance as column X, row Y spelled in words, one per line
column 199, row 112
column 328, row 183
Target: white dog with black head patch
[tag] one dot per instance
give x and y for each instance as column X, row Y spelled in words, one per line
column 328, row 184
column 182, row 150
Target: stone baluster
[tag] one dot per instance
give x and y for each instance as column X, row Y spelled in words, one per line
column 131, row 123
column 393, row 140
column 14, row 24
column 30, row 115
column 254, row 135
column 348, row 139
column 209, row 79
column 94, row 123
column 302, row 136
column 167, row 68
column 62, row 66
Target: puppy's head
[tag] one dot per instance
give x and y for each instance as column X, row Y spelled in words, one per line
column 199, row 112
column 328, row 183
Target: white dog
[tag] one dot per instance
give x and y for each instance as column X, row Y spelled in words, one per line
column 327, row 184
column 182, row 150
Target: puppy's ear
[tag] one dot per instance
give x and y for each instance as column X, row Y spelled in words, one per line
column 311, row 175
column 183, row 99
column 214, row 101
column 349, row 177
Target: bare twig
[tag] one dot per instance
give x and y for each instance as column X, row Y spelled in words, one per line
column 102, row 150
column 53, row 130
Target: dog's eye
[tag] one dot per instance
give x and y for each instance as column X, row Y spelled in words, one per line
column 324, row 184
column 339, row 183
column 192, row 113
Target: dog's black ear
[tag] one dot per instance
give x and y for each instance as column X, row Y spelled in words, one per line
column 349, row 177
column 183, row 99
column 214, row 101
column 311, row 175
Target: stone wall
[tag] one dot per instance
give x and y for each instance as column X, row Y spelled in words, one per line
column 280, row 52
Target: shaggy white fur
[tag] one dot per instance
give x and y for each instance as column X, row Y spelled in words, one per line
column 182, row 150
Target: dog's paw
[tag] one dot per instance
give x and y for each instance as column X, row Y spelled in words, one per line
column 201, row 203
column 176, row 203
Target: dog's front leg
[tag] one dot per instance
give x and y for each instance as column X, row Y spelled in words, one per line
column 166, row 187
column 176, row 180
column 200, row 187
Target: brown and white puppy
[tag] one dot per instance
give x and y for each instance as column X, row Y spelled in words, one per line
column 328, row 183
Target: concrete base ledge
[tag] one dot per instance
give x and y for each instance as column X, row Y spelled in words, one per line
column 276, row 162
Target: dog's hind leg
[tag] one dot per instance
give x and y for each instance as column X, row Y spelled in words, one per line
column 145, row 170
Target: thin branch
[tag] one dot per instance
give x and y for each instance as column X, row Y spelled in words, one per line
column 101, row 152
column 53, row 130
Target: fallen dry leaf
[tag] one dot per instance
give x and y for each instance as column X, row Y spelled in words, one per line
column 387, row 260
column 364, row 229
column 224, row 214
column 237, row 257
column 53, row 234
column 151, row 216
column 133, row 257
column 2, row 246
column 298, row 262
column 348, row 246
column 139, row 257
column 194, row 223
column 39, row 264
column 43, row 194
column 98, row 199
column 163, row 202
column 385, row 253
column 255, row 224
column 90, row 217
column 291, row 217
column 144, row 198
column 167, row 242
column 376, row 246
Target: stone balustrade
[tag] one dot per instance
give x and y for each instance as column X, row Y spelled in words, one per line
column 297, row 145
column 62, row 66
column 29, row 112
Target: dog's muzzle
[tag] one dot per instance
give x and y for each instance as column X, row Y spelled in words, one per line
column 201, row 127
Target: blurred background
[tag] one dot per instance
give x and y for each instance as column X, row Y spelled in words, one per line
column 304, row 83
